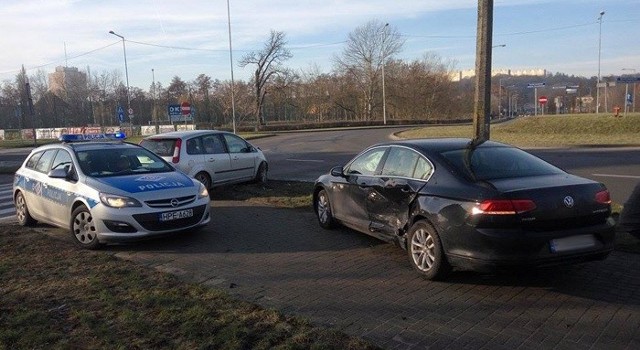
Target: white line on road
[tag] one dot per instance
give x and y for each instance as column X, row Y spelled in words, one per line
column 306, row 160
column 620, row 176
column 4, row 212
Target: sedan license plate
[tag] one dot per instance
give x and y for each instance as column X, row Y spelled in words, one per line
column 175, row 215
column 572, row 243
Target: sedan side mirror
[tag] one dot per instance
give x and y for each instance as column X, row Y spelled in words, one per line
column 337, row 171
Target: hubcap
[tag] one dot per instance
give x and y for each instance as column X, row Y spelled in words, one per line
column 423, row 250
column 83, row 228
column 20, row 208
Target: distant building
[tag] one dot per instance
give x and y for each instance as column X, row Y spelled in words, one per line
column 68, row 82
column 463, row 74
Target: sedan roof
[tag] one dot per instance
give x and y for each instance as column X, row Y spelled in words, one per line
column 442, row 144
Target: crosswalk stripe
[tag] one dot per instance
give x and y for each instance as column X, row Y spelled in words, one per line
column 8, row 211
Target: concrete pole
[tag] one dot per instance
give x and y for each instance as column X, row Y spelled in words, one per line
column 482, row 95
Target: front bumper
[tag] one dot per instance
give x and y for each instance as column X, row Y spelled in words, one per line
column 119, row 226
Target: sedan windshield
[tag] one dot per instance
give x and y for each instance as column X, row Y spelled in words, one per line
column 120, row 161
column 490, row 163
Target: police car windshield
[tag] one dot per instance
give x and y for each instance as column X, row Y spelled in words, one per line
column 120, row 161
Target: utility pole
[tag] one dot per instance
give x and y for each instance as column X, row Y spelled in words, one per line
column 482, row 95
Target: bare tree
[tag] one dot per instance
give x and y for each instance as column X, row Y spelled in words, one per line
column 268, row 63
column 368, row 47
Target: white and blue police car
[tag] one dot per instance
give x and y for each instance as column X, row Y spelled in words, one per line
column 106, row 190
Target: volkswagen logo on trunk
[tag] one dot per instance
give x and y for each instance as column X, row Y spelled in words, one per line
column 568, row 201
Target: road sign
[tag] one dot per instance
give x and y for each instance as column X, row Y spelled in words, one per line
column 175, row 114
column 185, row 108
column 130, row 111
column 535, row 85
column 542, row 99
column 120, row 112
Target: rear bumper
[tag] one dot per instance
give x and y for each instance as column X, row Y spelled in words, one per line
column 495, row 249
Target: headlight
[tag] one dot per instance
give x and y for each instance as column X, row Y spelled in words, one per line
column 202, row 190
column 111, row 200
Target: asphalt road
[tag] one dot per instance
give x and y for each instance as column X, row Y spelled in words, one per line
column 304, row 156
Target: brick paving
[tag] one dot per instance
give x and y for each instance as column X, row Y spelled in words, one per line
column 281, row 258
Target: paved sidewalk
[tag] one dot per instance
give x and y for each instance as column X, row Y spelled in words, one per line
column 281, row 259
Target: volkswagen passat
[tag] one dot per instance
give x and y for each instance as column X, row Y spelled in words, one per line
column 213, row 157
column 104, row 190
column 453, row 203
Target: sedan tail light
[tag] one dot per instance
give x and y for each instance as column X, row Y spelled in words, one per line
column 176, row 152
column 504, row 206
column 603, row 197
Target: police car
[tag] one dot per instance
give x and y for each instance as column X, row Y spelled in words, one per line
column 106, row 190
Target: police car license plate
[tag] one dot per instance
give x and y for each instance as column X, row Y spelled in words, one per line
column 175, row 215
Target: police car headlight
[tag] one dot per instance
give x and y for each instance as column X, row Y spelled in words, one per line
column 202, row 190
column 114, row 201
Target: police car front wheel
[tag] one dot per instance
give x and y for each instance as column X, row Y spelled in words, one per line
column 83, row 229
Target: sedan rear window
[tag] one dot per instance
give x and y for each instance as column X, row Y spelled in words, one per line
column 161, row 147
column 490, row 163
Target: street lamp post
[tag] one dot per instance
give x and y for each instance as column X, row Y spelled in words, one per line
column 384, row 99
column 599, row 55
column 499, row 85
column 633, row 99
column 233, row 99
column 126, row 70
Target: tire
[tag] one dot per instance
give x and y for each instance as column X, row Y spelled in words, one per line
column 204, row 178
column 323, row 210
column 425, row 251
column 22, row 211
column 83, row 229
column 261, row 174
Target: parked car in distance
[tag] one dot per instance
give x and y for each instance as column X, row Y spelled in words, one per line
column 452, row 203
column 213, row 157
column 106, row 190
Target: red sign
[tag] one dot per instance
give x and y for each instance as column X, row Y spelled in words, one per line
column 542, row 99
column 185, row 108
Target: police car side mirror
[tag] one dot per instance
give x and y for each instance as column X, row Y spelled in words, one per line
column 59, row 173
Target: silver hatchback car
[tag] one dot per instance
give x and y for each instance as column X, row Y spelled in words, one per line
column 213, row 157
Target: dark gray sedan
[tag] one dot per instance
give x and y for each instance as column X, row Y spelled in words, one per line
column 452, row 203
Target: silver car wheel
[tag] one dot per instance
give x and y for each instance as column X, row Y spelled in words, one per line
column 323, row 210
column 22, row 211
column 423, row 250
column 83, row 228
column 323, row 207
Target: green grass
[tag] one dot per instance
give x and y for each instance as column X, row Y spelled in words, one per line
column 554, row 130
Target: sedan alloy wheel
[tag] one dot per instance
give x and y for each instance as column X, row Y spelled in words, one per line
column 425, row 251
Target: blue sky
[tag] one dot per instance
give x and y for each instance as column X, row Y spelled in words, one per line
column 190, row 37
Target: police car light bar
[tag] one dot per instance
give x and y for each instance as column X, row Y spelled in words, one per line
column 89, row 137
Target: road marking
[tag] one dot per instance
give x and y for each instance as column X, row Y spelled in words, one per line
column 5, row 212
column 306, row 160
column 620, row 176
